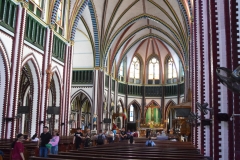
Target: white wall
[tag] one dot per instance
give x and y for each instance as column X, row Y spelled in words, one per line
column 83, row 54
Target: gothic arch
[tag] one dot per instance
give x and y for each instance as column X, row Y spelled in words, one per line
column 58, row 85
column 166, row 66
column 35, row 109
column 81, row 91
column 136, row 104
column 141, row 67
column 152, row 102
column 4, row 83
column 167, row 107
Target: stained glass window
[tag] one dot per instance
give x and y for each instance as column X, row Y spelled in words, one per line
column 171, row 69
column 131, row 113
column 59, row 14
column 135, row 68
column 153, row 69
column 121, row 70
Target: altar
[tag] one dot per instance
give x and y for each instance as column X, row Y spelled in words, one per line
column 153, row 127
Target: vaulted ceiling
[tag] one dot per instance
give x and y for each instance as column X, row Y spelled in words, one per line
column 119, row 28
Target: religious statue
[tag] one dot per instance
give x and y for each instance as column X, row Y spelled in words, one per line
column 104, row 106
column 112, row 107
column 49, row 75
column 95, row 119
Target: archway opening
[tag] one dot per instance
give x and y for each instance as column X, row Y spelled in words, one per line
column 81, row 114
column 26, row 116
column 133, row 117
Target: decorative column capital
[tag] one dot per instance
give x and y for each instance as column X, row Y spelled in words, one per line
column 52, row 26
column 97, row 68
column 71, row 42
column 24, row 3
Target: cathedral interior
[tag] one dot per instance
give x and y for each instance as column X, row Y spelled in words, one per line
column 159, row 65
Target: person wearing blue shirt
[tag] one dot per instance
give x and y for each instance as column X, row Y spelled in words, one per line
column 150, row 143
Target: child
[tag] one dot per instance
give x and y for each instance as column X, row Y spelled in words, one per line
column 150, row 142
column 54, row 142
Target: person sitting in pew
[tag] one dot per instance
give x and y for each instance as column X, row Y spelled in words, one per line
column 87, row 141
column 150, row 143
column 162, row 136
column 100, row 139
column 77, row 139
column 123, row 134
column 110, row 136
column 18, row 149
column 34, row 138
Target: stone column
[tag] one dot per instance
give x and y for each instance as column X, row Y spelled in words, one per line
column 15, row 71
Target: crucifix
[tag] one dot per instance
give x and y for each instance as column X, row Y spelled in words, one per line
column 49, row 75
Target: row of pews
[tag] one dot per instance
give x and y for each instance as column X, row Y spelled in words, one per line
column 117, row 150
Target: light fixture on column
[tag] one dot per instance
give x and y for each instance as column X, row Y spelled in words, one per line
column 230, row 79
column 203, row 108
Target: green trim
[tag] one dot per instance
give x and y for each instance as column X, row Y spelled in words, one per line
column 59, row 47
column 35, row 32
column 82, row 77
column 8, row 11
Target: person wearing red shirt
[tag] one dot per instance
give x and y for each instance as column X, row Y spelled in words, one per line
column 18, row 149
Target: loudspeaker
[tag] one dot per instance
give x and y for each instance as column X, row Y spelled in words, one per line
column 206, row 122
column 223, row 117
column 23, row 109
column 107, row 120
column 53, row 110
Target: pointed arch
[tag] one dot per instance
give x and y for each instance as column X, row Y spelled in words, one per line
column 74, row 20
column 151, row 103
column 74, row 95
column 167, row 106
column 141, row 66
column 148, row 63
column 56, row 71
column 35, row 109
column 136, row 103
column 95, row 32
column 31, row 57
column 166, row 65
column 54, row 7
column 58, row 84
column 4, row 83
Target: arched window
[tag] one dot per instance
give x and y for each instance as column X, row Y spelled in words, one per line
column 153, row 71
column 131, row 113
column 121, row 72
column 60, row 13
column 171, row 71
column 135, row 71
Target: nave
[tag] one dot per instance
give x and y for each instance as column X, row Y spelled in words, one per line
column 164, row 150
